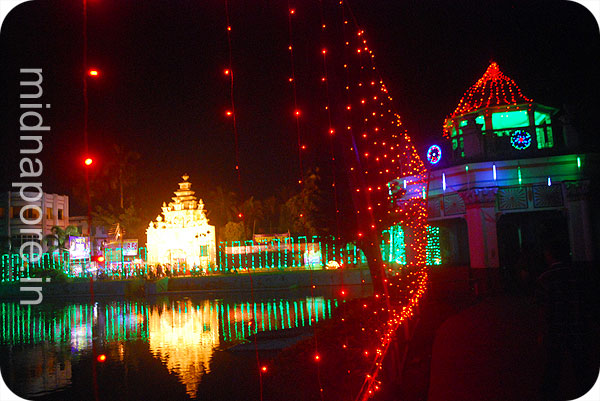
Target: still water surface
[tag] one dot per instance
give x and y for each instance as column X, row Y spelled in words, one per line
column 173, row 347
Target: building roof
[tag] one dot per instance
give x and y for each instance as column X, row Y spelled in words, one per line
column 492, row 89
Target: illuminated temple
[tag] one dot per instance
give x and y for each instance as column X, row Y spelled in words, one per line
column 181, row 234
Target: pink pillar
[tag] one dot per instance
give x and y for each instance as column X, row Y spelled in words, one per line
column 481, row 226
column 578, row 213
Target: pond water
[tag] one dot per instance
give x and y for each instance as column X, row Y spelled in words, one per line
column 167, row 348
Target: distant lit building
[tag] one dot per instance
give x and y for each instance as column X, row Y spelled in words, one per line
column 182, row 234
column 54, row 212
column 99, row 233
column 511, row 176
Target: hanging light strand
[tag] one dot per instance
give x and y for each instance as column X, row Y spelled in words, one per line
column 330, row 131
column 231, row 113
column 292, row 79
column 230, row 73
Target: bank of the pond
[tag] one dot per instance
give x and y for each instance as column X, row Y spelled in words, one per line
column 240, row 282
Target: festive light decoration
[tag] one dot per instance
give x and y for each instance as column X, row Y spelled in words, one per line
column 182, row 234
column 381, row 153
column 417, row 286
column 231, row 113
column 520, row 139
column 434, row 154
column 491, row 90
column 389, row 185
column 434, row 251
column 88, row 161
column 393, row 246
column 292, row 79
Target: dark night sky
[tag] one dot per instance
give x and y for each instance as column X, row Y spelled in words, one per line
column 163, row 94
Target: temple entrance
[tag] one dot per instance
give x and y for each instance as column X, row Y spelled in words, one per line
column 177, row 256
column 454, row 241
column 529, row 231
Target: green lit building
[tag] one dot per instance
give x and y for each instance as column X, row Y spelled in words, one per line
column 511, row 177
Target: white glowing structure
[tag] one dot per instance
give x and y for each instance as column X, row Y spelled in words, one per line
column 182, row 234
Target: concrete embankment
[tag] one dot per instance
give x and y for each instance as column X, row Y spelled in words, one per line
column 117, row 288
column 240, row 282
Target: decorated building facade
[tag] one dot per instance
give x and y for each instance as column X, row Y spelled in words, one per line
column 509, row 176
column 181, row 233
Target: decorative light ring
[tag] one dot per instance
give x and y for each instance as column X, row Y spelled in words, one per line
column 520, row 140
column 434, row 154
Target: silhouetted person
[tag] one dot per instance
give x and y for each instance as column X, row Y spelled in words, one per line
column 560, row 291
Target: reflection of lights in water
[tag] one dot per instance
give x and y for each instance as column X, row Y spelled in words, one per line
column 183, row 335
column 81, row 337
column 184, row 338
column 237, row 319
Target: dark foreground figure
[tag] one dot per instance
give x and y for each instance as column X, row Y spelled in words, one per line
column 563, row 291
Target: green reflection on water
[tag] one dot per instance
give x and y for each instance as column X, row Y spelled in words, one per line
column 182, row 334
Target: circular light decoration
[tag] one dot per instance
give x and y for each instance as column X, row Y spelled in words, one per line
column 520, row 140
column 434, row 154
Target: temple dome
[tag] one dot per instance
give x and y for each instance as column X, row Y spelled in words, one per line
column 491, row 90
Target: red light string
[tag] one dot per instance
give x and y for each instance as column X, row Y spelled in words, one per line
column 418, row 289
column 386, row 154
column 373, row 163
column 85, row 67
column 229, row 72
column 347, row 117
column 331, row 130
column 87, row 180
column 330, row 135
column 361, row 173
column 292, row 79
column 492, row 89
column 301, row 147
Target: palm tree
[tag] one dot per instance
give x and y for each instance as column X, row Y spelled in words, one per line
column 271, row 208
column 220, row 204
column 122, row 170
column 59, row 238
column 252, row 213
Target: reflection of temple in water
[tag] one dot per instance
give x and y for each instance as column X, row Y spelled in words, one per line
column 184, row 337
column 44, row 369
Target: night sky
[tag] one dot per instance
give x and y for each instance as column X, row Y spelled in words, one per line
column 162, row 91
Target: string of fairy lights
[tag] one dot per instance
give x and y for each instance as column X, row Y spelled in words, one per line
column 228, row 72
column 385, row 153
column 330, row 129
column 292, row 80
column 380, row 152
column 494, row 88
column 262, row 369
column 301, row 147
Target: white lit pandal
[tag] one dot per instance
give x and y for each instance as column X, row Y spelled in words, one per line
column 182, row 234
